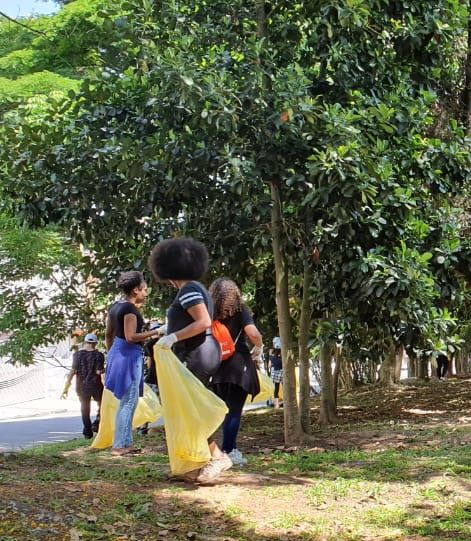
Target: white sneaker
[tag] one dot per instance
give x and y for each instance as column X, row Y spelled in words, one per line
column 237, row 458
column 213, row 468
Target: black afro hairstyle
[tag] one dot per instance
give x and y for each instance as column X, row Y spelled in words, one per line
column 178, row 259
column 129, row 280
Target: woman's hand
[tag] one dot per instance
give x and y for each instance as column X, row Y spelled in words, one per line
column 167, row 341
column 257, row 353
column 162, row 330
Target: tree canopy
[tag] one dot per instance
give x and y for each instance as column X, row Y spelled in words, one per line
column 311, row 140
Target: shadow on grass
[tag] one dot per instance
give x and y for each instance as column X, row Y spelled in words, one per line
column 424, row 521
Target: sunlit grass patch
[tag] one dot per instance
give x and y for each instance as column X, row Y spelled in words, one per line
column 386, row 516
column 234, row 511
column 327, row 489
column 454, row 523
column 290, row 519
column 441, row 522
column 51, row 449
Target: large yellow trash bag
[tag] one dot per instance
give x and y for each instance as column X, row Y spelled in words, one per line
column 191, row 413
column 267, row 388
column 148, row 411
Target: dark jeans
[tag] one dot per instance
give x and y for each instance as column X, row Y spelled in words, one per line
column 234, row 397
column 277, row 390
column 85, row 397
column 442, row 368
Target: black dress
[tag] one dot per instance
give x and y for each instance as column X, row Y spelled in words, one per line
column 239, row 369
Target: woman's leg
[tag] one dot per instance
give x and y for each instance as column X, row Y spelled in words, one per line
column 125, row 414
column 234, row 397
column 277, row 389
column 85, row 401
column 276, row 395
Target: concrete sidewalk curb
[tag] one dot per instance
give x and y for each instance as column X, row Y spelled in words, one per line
column 33, row 409
column 35, row 414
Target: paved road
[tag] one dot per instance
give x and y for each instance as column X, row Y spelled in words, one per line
column 16, row 434
column 22, row 433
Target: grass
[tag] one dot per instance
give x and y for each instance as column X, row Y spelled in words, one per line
column 360, row 481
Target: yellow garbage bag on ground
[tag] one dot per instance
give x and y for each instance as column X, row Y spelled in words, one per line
column 191, row 413
column 148, row 411
column 267, row 388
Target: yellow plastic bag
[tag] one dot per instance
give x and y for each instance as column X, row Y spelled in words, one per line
column 191, row 413
column 148, row 411
column 267, row 388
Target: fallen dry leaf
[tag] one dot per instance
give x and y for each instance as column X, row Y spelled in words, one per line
column 74, row 534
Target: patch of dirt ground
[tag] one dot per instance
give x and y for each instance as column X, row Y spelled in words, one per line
column 364, row 493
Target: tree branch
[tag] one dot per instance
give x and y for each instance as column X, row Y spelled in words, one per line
column 23, row 25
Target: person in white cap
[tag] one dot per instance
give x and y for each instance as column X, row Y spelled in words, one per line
column 88, row 365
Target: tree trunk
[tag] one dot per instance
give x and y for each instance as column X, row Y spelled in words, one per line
column 387, row 370
column 398, row 363
column 261, row 18
column 304, row 362
column 422, row 367
column 412, row 366
column 336, row 374
column 373, row 371
column 461, row 361
column 467, row 74
column 345, row 373
column 291, row 412
column 328, row 413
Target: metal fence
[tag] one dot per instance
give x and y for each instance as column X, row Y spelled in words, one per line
column 21, row 384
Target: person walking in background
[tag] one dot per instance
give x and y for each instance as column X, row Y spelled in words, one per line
column 124, row 368
column 88, row 365
column 276, row 373
column 442, row 366
column 181, row 262
column 237, row 376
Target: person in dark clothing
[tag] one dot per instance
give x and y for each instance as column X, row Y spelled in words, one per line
column 124, row 367
column 276, row 372
column 150, row 371
column 442, row 366
column 237, row 376
column 88, row 365
column 181, row 262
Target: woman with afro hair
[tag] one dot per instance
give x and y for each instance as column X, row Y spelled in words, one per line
column 181, row 262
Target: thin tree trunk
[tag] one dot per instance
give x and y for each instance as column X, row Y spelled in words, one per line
column 261, row 18
column 336, row 374
column 398, row 363
column 291, row 412
column 467, row 73
column 412, row 366
column 292, row 422
column 345, row 373
column 386, row 373
column 328, row 412
column 304, row 361
column 422, row 367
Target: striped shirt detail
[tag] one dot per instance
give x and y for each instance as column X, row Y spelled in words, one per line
column 190, row 298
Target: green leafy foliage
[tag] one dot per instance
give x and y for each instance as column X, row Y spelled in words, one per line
column 189, row 122
column 51, row 52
